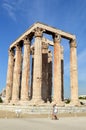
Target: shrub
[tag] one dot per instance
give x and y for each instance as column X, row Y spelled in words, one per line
column 81, row 103
column 1, row 101
column 84, row 97
column 67, row 101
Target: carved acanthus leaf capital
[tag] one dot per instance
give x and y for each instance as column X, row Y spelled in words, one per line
column 56, row 38
column 18, row 47
column 11, row 51
column 38, row 32
column 26, row 40
column 73, row 43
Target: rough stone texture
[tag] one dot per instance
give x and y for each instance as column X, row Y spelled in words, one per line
column 42, row 80
column 44, row 89
column 43, row 109
column 26, row 71
column 31, row 89
column 57, row 70
column 73, row 73
column 62, row 74
column 9, row 76
column 16, row 76
column 49, row 30
column 50, row 76
column 37, row 72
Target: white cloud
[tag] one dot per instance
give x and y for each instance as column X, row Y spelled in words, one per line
column 12, row 8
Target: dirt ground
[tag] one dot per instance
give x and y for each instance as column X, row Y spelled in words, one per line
column 9, row 114
column 65, row 123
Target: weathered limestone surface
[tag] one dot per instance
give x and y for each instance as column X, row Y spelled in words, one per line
column 73, row 73
column 57, row 69
column 31, row 88
column 40, row 77
column 9, row 76
column 62, row 74
column 44, row 90
column 37, row 73
column 16, row 76
column 50, row 75
column 48, row 30
column 26, row 70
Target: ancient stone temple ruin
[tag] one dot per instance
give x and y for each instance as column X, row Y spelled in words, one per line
column 35, row 74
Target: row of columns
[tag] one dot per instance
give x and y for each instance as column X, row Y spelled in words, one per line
column 15, row 68
column 25, row 70
column 46, row 82
column 14, row 76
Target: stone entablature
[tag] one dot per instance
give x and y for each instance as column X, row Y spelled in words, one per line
column 36, row 86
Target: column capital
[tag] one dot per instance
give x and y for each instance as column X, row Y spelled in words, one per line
column 11, row 51
column 73, row 43
column 18, row 47
column 56, row 38
column 38, row 32
column 26, row 40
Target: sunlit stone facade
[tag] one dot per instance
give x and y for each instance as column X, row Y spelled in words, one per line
column 35, row 74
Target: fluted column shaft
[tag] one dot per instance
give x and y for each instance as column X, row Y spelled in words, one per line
column 57, row 69
column 37, row 72
column 73, row 73
column 16, row 76
column 9, row 82
column 62, row 73
column 50, row 75
column 45, row 94
column 31, row 89
column 26, row 70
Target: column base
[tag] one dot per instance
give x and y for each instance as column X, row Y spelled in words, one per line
column 6, row 101
column 58, row 103
column 24, row 102
column 24, row 99
column 36, row 102
column 14, row 101
column 74, row 103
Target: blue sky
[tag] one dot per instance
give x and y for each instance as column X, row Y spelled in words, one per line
column 69, row 15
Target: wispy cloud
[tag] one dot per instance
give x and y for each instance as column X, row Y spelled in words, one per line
column 9, row 7
column 12, row 7
column 36, row 10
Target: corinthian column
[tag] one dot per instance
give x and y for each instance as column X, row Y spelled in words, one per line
column 73, row 73
column 37, row 72
column 50, row 75
column 9, row 76
column 57, row 70
column 26, row 70
column 45, row 71
column 62, row 73
column 16, row 76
